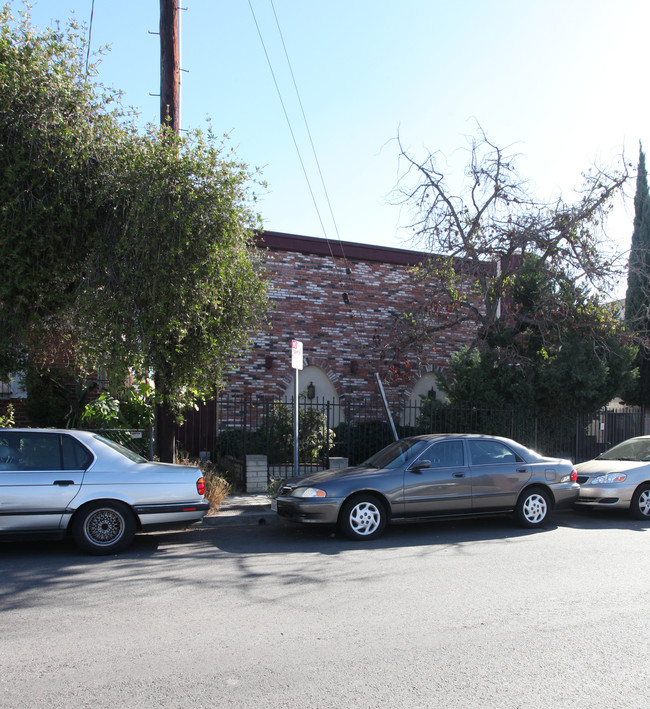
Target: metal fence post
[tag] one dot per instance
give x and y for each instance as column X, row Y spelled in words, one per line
column 327, row 433
column 243, row 428
column 151, row 442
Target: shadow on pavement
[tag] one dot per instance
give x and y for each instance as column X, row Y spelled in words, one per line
column 287, row 537
column 32, row 571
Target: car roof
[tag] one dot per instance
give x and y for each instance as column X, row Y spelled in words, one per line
column 75, row 431
column 483, row 436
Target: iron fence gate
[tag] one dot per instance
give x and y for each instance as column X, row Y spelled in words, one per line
column 231, row 427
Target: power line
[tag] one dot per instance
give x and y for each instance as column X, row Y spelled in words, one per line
column 90, row 34
column 304, row 117
column 286, row 115
column 348, row 269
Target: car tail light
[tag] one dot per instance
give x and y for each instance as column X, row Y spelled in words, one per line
column 200, row 486
column 574, row 475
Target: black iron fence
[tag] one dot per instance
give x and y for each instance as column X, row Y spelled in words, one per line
column 231, row 427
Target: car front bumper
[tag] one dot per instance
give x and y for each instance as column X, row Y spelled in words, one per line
column 611, row 495
column 308, row 510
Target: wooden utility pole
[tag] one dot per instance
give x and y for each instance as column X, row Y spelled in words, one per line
column 170, row 70
column 170, row 115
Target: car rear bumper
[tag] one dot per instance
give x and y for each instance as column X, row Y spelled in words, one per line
column 159, row 516
column 566, row 495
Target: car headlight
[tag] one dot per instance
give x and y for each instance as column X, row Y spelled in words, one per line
column 608, row 478
column 308, row 492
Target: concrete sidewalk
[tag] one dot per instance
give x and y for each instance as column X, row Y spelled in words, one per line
column 242, row 509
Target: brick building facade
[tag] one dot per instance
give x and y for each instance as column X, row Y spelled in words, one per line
column 342, row 300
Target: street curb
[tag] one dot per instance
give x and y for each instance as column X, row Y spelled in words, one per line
column 234, row 517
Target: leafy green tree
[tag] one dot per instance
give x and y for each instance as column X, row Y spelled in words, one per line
column 172, row 287
column 7, row 419
column 54, row 127
column 557, row 352
column 129, row 406
column 637, row 301
column 56, row 397
column 134, row 248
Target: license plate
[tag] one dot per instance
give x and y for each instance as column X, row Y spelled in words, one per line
column 274, row 505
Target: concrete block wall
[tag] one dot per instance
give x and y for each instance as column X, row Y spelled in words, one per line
column 257, row 473
column 338, row 463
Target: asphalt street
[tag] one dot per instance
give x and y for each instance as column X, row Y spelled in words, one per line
column 477, row 613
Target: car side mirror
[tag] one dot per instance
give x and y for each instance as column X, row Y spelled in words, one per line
column 420, row 465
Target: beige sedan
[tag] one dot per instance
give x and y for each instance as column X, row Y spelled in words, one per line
column 618, row 478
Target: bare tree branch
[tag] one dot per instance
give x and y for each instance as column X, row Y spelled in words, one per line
column 480, row 235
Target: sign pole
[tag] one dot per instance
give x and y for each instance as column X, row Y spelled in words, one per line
column 296, row 461
column 296, row 363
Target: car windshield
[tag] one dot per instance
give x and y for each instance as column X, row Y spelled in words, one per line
column 634, row 449
column 397, row 454
column 122, row 450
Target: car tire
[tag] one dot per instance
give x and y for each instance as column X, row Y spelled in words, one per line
column 533, row 508
column 640, row 504
column 103, row 527
column 363, row 518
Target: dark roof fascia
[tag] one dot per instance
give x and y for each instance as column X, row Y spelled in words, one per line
column 279, row 241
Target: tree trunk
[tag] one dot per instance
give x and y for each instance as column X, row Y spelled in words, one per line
column 165, row 438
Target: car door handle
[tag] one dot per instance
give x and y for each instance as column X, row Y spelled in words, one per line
column 459, row 475
column 522, row 470
column 63, row 482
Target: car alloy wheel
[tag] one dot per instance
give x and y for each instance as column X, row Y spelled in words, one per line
column 363, row 517
column 103, row 527
column 640, row 505
column 532, row 508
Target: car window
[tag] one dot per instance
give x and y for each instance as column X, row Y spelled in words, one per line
column 9, row 451
column 75, row 456
column 397, row 454
column 491, row 453
column 632, row 449
column 30, row 451
column 122, row 450
column 446, row 454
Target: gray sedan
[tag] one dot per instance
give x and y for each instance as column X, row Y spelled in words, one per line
column 618, row 478
column 439, row 475
column 78, row 483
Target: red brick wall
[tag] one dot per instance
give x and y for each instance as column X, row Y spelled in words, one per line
column 311, row 279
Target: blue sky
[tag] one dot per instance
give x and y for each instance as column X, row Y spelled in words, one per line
column 563, row 81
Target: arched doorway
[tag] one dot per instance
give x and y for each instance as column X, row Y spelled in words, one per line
column 315, row 386
column 426, row 387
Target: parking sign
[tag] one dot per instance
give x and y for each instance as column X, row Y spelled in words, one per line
column 296, row 354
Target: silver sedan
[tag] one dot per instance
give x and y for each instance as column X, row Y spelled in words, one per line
column 618, row 478
column 439, row 475
column 78, row 483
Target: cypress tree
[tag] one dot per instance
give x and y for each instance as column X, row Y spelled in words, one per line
column 637, row 299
